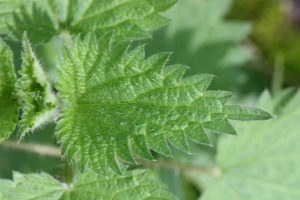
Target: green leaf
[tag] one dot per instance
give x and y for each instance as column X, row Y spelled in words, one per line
column 262, row 163
column 119, row 104
column 127, row 18
column 9, row 107
column 43, row 19
column 36, row 18
column 133, row 185
column 7, row 9
column 38, row 101
column 32, row 186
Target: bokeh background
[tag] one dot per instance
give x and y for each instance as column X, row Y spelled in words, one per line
column 253, row 49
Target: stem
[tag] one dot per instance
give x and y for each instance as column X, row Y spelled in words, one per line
column 54, row 151
column 48, row 150
column 68, row 173
column 213, row 171
column 278, row 74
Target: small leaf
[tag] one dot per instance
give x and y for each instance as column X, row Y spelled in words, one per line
column 9, row 107
column 38, row 101
column 133, row 185
column 118, row 104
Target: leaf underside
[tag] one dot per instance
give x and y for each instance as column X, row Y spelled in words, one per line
column 133, row 185
column 43, row 19
column 119, row 104
column 9, row 107
column 263, row 162
column 38, row 102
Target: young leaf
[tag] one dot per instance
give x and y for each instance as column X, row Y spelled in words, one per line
column 9, row 107
column 133, row 185
column 119, row 104
column 263, row 162
column 38, row 101
column 43, row 19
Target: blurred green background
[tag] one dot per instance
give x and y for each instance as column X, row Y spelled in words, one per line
column 251, row 46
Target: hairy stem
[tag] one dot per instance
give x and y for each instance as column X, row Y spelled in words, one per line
column 48, row 150
column 175, row 165
column 54, row 151
column 68, row 173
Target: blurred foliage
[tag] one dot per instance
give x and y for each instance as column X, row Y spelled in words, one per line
column 273, row 32
column 263, row 162
column 26, row 161
column 201, row 38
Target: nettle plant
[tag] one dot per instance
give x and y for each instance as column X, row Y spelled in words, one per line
column 111, row 105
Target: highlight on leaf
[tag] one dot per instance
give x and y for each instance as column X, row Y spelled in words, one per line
column 119, row 105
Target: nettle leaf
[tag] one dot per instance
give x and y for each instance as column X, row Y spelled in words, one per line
column 263, row 163
column 119, row 104
column 9, row 107
column 38, row 101
column 43, row 19
column 133, row 185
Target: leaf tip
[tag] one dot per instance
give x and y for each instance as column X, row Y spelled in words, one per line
column 24, row 35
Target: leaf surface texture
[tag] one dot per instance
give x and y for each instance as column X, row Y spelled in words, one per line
column 118, row 104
